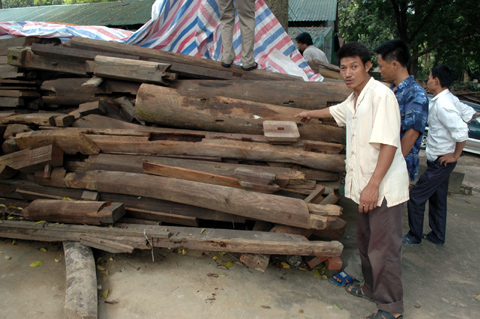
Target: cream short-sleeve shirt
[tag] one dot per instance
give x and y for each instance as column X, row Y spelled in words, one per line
column 374, row 121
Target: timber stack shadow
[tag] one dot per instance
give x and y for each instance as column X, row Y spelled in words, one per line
column 167, row 148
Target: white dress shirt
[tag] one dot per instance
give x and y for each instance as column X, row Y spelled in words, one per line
column 374, row 121
column 312, row 52
column 445, row 126
column 466, row 111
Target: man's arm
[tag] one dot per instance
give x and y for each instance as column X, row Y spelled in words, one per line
column 452, row 158
column 369, row 195
column 306, row 116
column 408, row 140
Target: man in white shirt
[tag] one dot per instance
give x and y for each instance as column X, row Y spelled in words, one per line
column 377, row 177
column 309, row 51
column 447, row 135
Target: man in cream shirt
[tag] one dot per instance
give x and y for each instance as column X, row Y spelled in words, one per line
column 377, row 178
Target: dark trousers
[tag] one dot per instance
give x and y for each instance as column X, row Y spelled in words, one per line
column 379, row 240
column 431, row 186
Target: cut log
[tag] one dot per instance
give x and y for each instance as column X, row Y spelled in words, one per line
column 333, row 231
column 69, row 142
column 184, row 65
column 169, row 107
column 278, row 209
column 74, row 212
column 298, row 94
column 223, row 148
column 31, row 160
column 131, row 70
column 205, row 239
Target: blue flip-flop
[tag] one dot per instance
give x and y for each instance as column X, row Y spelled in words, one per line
column 343, row 277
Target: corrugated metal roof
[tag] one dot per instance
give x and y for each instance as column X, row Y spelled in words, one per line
column 115, row 13
column 312, row 10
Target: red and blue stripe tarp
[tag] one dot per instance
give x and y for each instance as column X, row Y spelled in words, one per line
column 190, row 27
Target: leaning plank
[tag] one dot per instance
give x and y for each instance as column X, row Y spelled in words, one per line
column 205, row 239
column 190, row 175
column 69, row 142
column 278, row 209
column 74, row 212
column 31, row 160
column 173, row 108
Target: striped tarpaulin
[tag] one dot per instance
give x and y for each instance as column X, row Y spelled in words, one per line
column 190, row 27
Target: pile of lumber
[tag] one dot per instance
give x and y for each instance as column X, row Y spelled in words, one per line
column 168, row 148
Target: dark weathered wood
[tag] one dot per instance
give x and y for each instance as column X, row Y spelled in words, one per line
column 162, row 217
column 262, row 188
column 62, row 52
column 74, row 212
column 256, row 261
column 204, row 239
column 182, row 64
column 18, row 93
column 56, row 178
column 44, row 118
column 6, row 171
column 131, row 70
column 222, row 148
column 331, row 198
column 278, row 209
column 11, row 101
column 299, row 94
column 173, row 108
column 247, row 175
column 316, row 196
column 335, row 230
column 106, row 245
column 31, row 160
column 190, row 175
column 69, row 142
column 14, row 129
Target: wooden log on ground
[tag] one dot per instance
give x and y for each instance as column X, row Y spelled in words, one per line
column 74, row 212
column 299, row 94
column 169, row 107
column 172, row 237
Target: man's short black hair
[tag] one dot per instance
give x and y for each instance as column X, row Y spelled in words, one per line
column 394, row 50
column 304, row 38
column 353, row 49
column 445, row 74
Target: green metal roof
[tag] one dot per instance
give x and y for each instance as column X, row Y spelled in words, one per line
column 115, row 13
column 312, row 10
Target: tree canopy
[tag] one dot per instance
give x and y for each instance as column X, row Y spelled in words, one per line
column 438, row 31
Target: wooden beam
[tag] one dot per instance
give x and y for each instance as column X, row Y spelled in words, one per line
column 74, row 212
column 31, row 160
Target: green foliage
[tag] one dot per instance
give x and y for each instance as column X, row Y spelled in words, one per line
column 438, row 31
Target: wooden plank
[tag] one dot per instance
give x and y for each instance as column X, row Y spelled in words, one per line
column 278, row 132
column 162, row 217
column 262, row 188
column 130, row 70
column 316, row 196
column 218, row 113
column 31, row 160
column 13, row 129
column 324, row 210
column 74, row 212
column 56, row 178
column 278, row 209
column 190, row 175
column 44, row 118
column 182, row 64
column 6, row 171
column 61, row 52
column 11, row 101
column 18, row 93
column 172, row 237
column 69, row 142
column 248, row 175
column 222, row 148
column 106, row 245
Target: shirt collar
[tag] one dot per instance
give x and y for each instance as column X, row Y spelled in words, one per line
column 444, row 92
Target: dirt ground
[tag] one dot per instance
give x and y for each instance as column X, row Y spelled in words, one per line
column 439, row 282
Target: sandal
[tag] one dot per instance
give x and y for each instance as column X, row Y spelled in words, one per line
column 357, row 291
column 430, row 239
column 253, row 67
column 345, row 279
column 409, row 240
column 383, row 315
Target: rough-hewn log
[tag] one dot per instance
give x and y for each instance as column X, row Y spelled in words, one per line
column 31, row 160
column 74, row 212
column 170, row 107
column 301, row 94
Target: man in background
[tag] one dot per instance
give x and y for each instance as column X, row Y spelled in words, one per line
column 309, row 51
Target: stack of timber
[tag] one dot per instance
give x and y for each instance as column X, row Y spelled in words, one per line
column 125, row 135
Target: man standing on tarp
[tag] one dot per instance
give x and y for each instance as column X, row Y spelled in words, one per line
column 246, row 14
